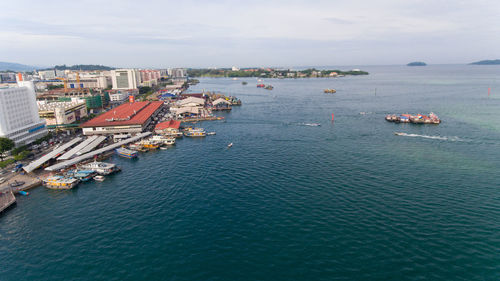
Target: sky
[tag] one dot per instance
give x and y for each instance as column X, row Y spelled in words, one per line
column 190, row 33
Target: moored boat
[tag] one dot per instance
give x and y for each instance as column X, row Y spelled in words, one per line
column 127, row 153
column 99, row 178
column 83, row 175
column 60, row 182
column 102, row 168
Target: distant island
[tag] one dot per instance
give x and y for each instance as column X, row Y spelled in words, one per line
column 417, row 63
column 272, row 73
column 486, row 62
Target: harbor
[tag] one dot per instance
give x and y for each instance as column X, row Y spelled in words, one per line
column 126, row 131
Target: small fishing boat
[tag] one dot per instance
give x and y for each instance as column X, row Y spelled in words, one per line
column 99, row 178
column 329, row 91
column 163, row 147
column 210, row 133
column 260, row 85
column 230, row 145
column 244, row 83
column 269, row 87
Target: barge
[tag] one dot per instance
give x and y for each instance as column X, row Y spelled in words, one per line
column 415, row 119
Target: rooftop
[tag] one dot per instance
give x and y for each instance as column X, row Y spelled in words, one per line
column 174, row 124
column 135, row 113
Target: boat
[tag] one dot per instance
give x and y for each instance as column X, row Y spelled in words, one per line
column 399, row 134
column 127, row 153
column 162, row 140
column 60, row 182
column 102, row 168
column 230, row 145
column 195, row 133
column 269, row 87
column 210, row 133
column 163, row 147
column 99, row 178
column 244, row 83
column 260, row 85
column 83, row 175
column 329, row 91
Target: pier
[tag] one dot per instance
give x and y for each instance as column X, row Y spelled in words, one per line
column 89, row 155
column 7, row 198
column 53, row 154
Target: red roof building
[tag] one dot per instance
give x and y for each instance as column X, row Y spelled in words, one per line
column 169, row 127
column 173, row 124
column 126, row 118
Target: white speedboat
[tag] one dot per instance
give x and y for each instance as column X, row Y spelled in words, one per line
column 99, row 178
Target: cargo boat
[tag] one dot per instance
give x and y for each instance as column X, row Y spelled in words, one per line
column 415, row 119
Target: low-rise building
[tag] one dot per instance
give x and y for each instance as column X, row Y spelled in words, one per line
column 62, row 112
column 170, row 128
column 128, row 118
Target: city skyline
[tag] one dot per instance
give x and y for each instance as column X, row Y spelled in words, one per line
column 225, row 33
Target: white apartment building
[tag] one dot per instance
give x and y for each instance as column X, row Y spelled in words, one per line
column 19, row 120
column 118, row 96
column 124, row 79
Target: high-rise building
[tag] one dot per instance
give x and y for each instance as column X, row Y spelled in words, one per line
column 19, row 120
column 124, row 79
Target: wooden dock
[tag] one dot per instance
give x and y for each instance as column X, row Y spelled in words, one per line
column 7, row 198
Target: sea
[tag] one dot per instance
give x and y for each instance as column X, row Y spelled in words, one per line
column 290, row 200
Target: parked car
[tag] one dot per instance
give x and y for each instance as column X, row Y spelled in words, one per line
column 2, row 180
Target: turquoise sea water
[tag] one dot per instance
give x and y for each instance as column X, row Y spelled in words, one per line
column 348, row 200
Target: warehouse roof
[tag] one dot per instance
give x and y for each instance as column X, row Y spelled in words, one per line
column 135, row 113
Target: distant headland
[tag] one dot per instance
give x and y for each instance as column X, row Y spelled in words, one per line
column 417, row 63
column 486, row 62
column 271, row 73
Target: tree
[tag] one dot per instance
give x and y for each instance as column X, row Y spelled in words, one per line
column 5, row 145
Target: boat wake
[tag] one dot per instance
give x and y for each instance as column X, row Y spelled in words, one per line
column 429, row 137
column 309, row 124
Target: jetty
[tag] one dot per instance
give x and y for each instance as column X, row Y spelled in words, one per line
column 89, row 155
column 53, row 154
column 7, row 198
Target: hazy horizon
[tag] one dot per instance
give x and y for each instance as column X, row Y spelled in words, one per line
column 253, row 33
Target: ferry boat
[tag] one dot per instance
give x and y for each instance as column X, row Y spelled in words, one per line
column 162, row 139
column 329, row 91
column 148, row 145
column 194, row 132
column 127, row 153
column 60, row 182
column 102, row 168
column 83, row 175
